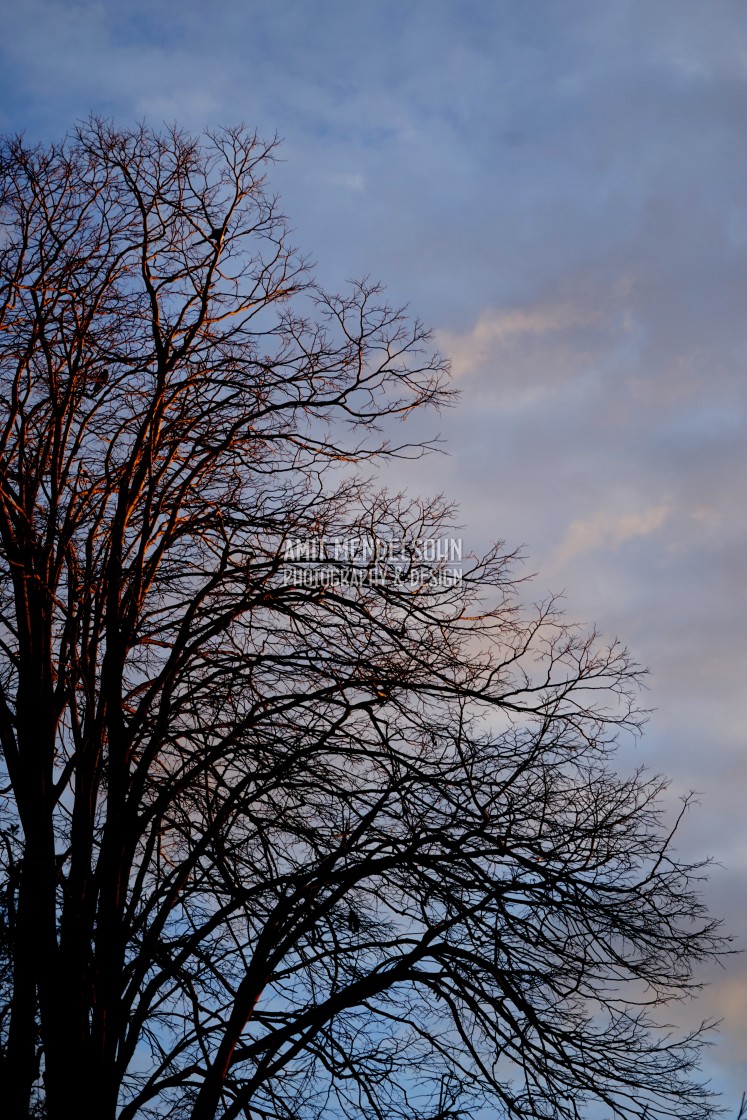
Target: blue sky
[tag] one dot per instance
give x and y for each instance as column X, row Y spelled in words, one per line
column 560, row 190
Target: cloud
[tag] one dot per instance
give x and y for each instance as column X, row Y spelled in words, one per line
column 557, row 346
column 608, row 530
column 349, row 181
column 497, row 328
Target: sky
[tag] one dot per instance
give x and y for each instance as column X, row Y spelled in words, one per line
column 560, row 191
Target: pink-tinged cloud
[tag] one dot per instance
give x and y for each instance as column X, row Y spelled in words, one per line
column 607, row 530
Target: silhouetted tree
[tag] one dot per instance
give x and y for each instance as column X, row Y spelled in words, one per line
column 277, row 849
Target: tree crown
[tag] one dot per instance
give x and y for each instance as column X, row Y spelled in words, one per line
column 282, row 847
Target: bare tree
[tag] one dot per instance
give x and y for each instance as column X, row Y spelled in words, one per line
column 284, row 848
